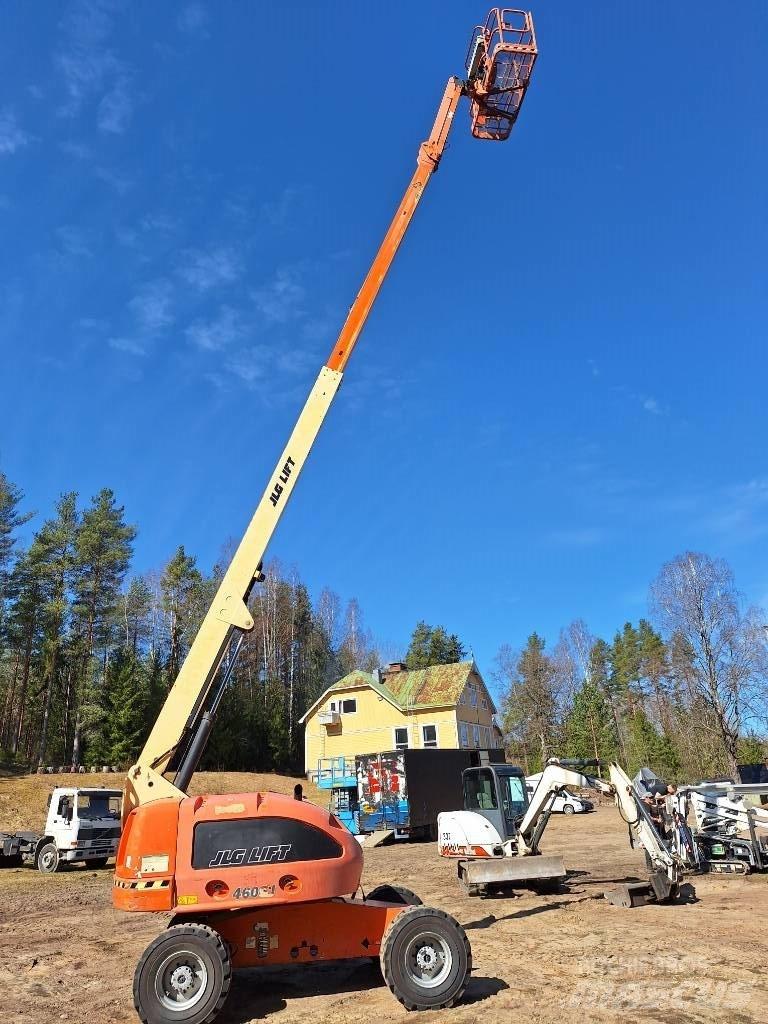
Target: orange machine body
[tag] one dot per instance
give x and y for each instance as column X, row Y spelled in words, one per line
column 272, row 875
column 210, row 853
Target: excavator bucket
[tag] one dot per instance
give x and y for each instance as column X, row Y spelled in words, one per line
column 522, row 871
column 499, row 62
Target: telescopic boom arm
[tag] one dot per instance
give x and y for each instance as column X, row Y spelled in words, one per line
column 178, row 737
column 503, row 52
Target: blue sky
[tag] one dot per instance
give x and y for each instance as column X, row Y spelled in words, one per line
column 563, row 382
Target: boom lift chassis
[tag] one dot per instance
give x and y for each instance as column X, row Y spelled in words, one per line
column 257, row 878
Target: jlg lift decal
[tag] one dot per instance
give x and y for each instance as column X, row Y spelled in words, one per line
column 242, row 842
column 285, row 472
column 256, row 855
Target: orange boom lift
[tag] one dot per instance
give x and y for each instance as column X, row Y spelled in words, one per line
column 258, row 878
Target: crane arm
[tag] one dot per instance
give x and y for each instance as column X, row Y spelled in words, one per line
column 180, row 732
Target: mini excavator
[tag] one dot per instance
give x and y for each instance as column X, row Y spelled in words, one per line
column 257, row 878
column 496, row 837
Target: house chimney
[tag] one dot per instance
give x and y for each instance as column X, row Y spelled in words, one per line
column 395, row 666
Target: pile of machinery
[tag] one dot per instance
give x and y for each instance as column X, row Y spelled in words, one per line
column 730, row 834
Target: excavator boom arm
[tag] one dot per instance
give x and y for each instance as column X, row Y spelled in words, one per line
column 557, row 775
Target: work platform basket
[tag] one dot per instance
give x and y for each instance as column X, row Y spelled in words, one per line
column 500, row 59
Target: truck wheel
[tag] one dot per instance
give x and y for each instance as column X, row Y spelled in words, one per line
column 425, row 958
column 394, row 894
column 184, row 975
column 569, row 809
column 48, row 859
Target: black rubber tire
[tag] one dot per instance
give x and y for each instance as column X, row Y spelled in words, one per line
column 395, row 894
column 569, row 809
column 209, row 946
column 100, row 862
column 395, row 946
column 48, row 860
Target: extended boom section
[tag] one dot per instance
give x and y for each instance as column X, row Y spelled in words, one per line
column 501, row 58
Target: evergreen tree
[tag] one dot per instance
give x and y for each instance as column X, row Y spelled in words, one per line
column 433, row 646
column 417, row 655
column 530, row 707
column 10, row 521
column 126, row 701
column 136, row 609
column 589, row 729
column 57, row 539
column 181, row 585
column 103, row 546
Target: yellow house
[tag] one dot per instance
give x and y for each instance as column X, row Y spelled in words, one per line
column 444, row 706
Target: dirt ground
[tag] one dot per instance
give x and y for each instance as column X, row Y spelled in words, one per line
column 66, row 955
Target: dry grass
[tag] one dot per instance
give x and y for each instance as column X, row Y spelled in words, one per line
column 24, row 798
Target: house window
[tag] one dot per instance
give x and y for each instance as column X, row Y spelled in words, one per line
column 476, row 735
column 333, row 705
column 429, row 735
column 484, row 703
column 348, row 707
column 463, row 735
column 401, row 739
column 473, row 696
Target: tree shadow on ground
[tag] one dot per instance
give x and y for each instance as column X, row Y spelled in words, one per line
column 257, row 993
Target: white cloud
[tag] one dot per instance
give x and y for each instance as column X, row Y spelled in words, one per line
column 117, row 181
column 151, row 306
column 116, row 108
column 652, row 406
column 280, row 299
column 193, row 20
column 205, row 270
column 133, row 346
column 216, row 334
column 12, row 137
column 152, row 310
column 77, row 150
column 90, row 69
column 249, row 365
column 280, row 212
column 92, row 323
column 74, row 241
column 741, row 513
column 295, row 360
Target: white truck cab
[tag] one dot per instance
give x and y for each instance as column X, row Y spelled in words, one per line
column 82, row 825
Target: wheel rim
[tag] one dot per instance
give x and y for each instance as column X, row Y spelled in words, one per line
column 181, row 980
column 48, row 859
column 428, row 960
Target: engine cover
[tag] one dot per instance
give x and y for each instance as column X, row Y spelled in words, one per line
column 467, row 834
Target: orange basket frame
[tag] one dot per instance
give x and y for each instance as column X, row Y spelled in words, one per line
column 500, row 60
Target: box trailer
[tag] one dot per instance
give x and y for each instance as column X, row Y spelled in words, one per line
column 401, row 790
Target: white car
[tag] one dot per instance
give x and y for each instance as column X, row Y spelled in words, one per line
column 567, row 803
column 564, row 803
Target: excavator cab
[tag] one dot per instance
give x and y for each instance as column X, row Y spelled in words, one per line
column 497, row 792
